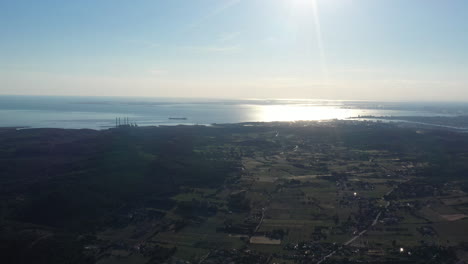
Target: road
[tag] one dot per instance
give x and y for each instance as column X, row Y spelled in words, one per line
column 374, row 222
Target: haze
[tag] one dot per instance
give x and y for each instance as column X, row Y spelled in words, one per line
column 328, row 49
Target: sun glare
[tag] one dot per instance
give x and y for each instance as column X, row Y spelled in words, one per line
column 271, row 113
column 307, row 11
column 301, row 7
column 302, row 3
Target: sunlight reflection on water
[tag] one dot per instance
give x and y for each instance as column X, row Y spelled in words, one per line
column 268, row 113
column 100, row 113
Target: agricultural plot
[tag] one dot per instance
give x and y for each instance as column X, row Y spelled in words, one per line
column 300, row 192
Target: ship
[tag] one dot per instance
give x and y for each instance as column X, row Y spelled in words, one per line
column 177, row 118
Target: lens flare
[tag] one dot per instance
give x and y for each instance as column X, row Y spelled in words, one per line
column 310, row 8
column 318, row 30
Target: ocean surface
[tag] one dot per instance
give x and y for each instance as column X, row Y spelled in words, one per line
column 101, row 112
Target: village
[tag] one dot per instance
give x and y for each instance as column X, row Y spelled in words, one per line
column 311, row 202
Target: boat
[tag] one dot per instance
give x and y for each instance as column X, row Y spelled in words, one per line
column 177, row 118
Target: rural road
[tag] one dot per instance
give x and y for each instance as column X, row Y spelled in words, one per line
column 374, row 222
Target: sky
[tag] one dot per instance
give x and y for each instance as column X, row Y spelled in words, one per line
column 306, row 49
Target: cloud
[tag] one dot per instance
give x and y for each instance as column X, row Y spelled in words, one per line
column 217, row 10
column 226, row 5
column 144, row 43
column 158, row 72
column 214, row 48
column 228, row 36
column 364, row 70
column 168, row 83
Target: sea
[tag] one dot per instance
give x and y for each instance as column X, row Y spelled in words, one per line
column 75, row 112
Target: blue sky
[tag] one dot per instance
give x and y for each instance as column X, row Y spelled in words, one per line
column 328, row 49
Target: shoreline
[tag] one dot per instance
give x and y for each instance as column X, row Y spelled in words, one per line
column 441, row 122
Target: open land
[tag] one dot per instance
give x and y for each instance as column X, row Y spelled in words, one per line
column 299, row 192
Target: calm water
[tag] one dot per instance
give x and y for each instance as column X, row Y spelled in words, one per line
column 100, row 112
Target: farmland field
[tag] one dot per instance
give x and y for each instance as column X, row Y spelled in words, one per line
column 301, row 192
